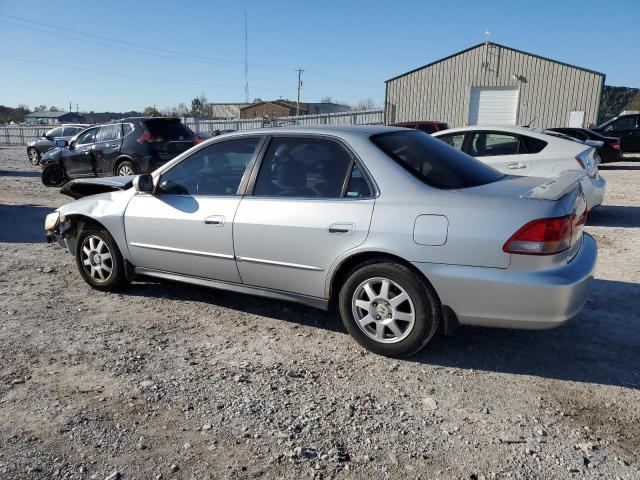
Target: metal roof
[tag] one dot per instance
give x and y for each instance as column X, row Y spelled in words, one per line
column 49, row 114
column 496, row 45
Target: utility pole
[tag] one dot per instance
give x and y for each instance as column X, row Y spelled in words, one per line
column 246, row 60
column 70, row 106
column 299, row 70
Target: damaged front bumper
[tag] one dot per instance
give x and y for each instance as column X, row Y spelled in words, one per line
column 63, row 235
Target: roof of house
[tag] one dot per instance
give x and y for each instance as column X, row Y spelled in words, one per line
column 49, row 114
column 496, row 45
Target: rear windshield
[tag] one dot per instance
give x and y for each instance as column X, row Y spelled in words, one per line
column 434, row 162
column 169, row 130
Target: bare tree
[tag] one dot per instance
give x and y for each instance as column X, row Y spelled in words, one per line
column 365, row 104
column 200, row 106
column 326, row 100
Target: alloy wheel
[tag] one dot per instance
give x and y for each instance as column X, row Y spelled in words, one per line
column 383, row 310
column 96, row 259
column 125, row 170
column 34, row 158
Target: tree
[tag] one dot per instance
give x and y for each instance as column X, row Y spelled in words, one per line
column 53, row 108
column 150, row 112
column 365, row 104
column 200, row 106
column 326, row 100
column 40, row 108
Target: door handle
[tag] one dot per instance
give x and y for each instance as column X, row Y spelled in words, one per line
column 115, row 145
column 214, row 220
column 341, row 228
column 516, row 166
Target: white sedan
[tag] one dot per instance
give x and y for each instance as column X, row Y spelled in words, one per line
column 525, row 151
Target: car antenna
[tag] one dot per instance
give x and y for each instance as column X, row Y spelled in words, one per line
column 528, row 125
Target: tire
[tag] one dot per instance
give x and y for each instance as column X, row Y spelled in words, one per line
column 105, row 273
column 126, row 168
column 394, row 329
column 53, row 176
column 34, row 156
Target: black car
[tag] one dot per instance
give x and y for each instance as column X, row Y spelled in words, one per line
column 126, row 147
column 41, row 145
column 610, row 150
column 626, row 126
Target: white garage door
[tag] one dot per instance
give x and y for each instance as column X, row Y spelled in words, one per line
column 493, row 105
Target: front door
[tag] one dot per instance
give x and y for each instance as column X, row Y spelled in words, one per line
column 186, row 226
column 502, row 150
column 310, row 204
column 107, row 149
column 77, row 159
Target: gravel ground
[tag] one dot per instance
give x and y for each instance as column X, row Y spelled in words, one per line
column 173, row 381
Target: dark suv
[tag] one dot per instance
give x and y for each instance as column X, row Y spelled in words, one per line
column 626, row 126
column 126, row 147
column 41, row 145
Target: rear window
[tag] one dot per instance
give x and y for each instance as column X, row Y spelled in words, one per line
column 434, row 162
column 169, row 130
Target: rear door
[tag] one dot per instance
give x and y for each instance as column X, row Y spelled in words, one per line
column 504, row 151
column 186, row 226
column 311, row 202
column 107, row 148
column 77, row 159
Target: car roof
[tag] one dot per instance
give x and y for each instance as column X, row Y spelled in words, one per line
column 336, row 130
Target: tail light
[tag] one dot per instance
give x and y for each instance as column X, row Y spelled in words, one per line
column 580, row 161
column 615, row 144
column 586, row 164
column 545, row 236
column 148, row 138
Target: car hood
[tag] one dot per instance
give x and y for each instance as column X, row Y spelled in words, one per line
column 85, row 187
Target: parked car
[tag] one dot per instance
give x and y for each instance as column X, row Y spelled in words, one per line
column 423, row 126
column 202, row 136
column 525, row 151
column 288, row 213
column 126, row 147
column 626, row 126
column 41, row 145
column 610, row 149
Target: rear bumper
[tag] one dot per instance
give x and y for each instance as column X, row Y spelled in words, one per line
column 593, row 189
column 492, row 297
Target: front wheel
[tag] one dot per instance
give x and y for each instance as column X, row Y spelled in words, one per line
column 34, row 156
column 53, row 175
column 99, row 261
column 389, row 309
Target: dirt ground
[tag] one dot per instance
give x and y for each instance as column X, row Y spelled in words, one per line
column 173, row 381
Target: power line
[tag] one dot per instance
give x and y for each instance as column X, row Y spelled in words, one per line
column 149, row 50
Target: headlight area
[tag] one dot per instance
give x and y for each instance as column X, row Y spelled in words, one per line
column 60, row 232
column 51, row 221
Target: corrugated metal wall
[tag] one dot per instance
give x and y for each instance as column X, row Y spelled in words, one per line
column 548, row 90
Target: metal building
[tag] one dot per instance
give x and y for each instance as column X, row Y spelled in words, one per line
column 494, row 84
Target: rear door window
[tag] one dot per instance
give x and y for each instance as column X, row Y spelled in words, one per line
column 491, row 144
column 304, row 167
column 108, row 133
column 434, row 162
column 168, row 130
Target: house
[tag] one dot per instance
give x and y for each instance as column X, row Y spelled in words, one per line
column 491, row 83
column 53, row 118
column 288, row 108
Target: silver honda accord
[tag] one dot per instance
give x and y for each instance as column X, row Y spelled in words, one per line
column 403, row 233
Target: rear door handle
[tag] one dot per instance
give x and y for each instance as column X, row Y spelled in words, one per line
column 516, row 166
column 214, row 220
column 341, row 228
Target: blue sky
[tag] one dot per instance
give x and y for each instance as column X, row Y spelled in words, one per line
column 347, row 48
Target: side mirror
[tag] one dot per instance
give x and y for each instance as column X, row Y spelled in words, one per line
column 609, row 128
column 143, row 183
column 62, row 143
column 44, row 135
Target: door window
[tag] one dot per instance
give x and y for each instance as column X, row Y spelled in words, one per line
column 625, row 123
column 108, row 133
column 56, row 132
column 358, row 186
column 485, row 144
column 71, row 131
column 454, row 139
column 215, row 170
column 303, row 167
column 86, row 137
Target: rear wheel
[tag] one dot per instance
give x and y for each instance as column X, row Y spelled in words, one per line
column 34, row 156
column 389, row 309
column 53, row 175
column 99, row 261
column 126, row 168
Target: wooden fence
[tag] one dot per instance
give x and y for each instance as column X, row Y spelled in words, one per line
column 22, row 134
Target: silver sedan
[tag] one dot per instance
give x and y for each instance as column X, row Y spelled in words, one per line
column 403, row 233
